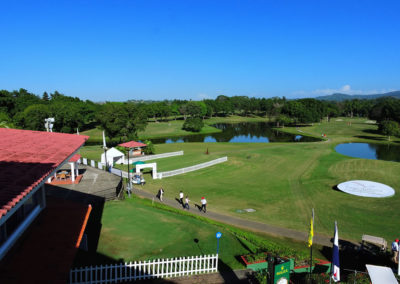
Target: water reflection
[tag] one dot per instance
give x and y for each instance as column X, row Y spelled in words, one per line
column 255, row 132
column 385, row 152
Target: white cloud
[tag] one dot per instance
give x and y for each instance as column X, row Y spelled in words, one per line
column 346, row 89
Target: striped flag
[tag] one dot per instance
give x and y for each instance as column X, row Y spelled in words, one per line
column 311, row 235
column 335, row 257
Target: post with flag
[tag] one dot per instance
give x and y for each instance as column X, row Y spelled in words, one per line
column 310, row 238
column 335, row 257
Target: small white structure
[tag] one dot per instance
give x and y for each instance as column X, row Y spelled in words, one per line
column 366, row 188
column 114, row 156
column 151, row 165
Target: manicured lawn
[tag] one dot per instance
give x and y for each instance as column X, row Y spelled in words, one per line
column 134, row 230
column 284, row 181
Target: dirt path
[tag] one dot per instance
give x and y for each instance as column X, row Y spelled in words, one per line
column 246, row 224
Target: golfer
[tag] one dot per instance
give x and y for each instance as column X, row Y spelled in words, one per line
column 203, row 204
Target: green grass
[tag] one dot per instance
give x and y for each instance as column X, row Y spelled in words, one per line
column 284, row 181
column 134, row 230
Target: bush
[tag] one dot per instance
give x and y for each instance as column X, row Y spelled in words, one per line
column 194, row 124
column 150, row 147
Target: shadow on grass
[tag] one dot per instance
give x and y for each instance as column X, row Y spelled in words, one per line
column 375, row 138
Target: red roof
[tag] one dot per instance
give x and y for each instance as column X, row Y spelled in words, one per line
column 75, row 158
column 27, row 158
column 132, row 144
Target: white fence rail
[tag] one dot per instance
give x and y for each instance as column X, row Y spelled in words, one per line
column 172, row 267
column 153, row 157
column 192, row 168
column 162, row 174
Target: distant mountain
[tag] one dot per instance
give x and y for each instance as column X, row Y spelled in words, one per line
column 342, row 97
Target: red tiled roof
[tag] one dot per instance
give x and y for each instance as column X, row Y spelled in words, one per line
column 27, row 158
column 132, row 144
column 50, row 247
column 74, row 158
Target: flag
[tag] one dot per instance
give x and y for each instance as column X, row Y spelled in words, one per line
column 335, row 256
column 311, row 235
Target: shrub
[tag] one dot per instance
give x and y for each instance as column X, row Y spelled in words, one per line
column 150, row 147
column 194, row 124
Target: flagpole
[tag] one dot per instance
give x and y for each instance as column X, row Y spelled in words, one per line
column 311, row 242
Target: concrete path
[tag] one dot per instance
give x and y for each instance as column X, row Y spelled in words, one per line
column 246, row 224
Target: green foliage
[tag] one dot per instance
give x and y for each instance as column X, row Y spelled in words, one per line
column 194, row 124
column 122, row 121
column 149, row 149
column 389, row 128
column 33, row 117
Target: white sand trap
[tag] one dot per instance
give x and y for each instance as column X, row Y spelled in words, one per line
column 366, row 188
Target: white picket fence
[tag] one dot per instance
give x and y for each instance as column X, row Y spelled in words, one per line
column 138, row 270
column 192, row 168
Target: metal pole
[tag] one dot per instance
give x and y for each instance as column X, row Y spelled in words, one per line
column 217, row 246
column 129, row 180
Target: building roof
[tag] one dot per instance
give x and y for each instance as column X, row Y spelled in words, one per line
column 27, row 158
column 74, row 158
column 132, row 144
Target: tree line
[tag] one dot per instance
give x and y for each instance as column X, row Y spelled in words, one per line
column 26, row 110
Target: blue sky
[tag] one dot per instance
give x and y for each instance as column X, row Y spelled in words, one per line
column 120, row 50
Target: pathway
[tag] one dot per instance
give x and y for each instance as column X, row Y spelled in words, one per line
column 246, row 224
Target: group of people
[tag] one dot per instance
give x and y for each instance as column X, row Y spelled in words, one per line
column 184, row 203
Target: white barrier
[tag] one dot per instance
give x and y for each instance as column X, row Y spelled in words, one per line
column 192, row 168
column 153, row 157
column 123, row 272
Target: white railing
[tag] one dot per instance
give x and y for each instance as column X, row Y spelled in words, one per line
column 162, row 174
column 192, row 168
column 130, row 271
column 153, row 157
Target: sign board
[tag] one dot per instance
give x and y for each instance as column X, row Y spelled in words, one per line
column 218, row 235
column 282, row 273
column 381, row 274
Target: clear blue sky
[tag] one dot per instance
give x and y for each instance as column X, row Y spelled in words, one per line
column 119, row 50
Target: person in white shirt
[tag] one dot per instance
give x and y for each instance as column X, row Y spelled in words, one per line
column 203, row 204
column 395, row 250
column 187, row 203
column 181, row 197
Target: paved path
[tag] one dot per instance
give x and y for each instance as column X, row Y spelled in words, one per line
column 246, row 224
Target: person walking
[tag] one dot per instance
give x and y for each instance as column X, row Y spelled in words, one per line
column 395, row 251
column 160, row 194
column 181, row 198
column 187, row 203
column 203, row 204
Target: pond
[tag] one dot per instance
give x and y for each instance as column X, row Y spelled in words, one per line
column 254, row 132
column 386, row 152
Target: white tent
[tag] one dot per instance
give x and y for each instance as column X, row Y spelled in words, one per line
column 113, row 157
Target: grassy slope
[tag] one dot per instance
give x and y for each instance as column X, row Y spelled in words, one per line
column 284, row 181
column 133, row 230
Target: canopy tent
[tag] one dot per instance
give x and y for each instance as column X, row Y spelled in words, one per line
column 135, row 146
column 114, row 156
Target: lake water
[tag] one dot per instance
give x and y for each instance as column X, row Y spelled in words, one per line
column 254, row 132
column 370, row 151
